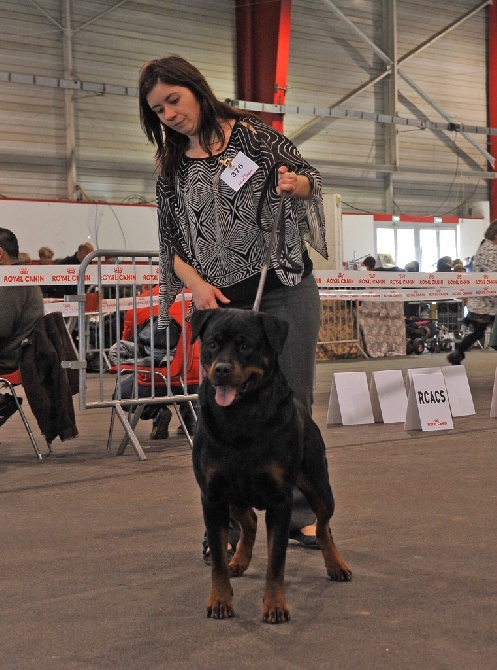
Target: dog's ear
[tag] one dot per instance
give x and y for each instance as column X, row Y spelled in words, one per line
column 276, row 330
column 199, row 321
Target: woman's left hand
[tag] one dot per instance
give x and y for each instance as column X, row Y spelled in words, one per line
column 292, row 185
column 287, row 182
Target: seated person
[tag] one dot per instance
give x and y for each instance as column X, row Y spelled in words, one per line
column 160, row 414
column 412, row 266
column 46, row 256
column 24, row 258
column 57, row 291
column 444, row 264
column 369, row 263
column 21, row 306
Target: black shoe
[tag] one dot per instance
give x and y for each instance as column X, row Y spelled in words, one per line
column 160, row 429
column 455, row 357
column 190, row 429
column 306, row 541
column 233, row 538
column 206, row 554
column 8, row 408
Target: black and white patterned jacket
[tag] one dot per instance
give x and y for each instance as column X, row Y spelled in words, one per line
column 215, row 230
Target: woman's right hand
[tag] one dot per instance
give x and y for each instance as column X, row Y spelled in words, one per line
column 206, row 296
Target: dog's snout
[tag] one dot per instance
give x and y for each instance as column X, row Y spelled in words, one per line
column 222, row 371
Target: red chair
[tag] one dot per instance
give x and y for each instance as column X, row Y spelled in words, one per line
column 11, row 380
column 184, row 361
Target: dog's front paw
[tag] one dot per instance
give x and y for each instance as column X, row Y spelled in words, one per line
column 220, row 607
column 236, row 569
column 340, row 573
column 238, row 564
column 275, row 611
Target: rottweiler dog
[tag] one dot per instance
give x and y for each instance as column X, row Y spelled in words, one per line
column 254, row 441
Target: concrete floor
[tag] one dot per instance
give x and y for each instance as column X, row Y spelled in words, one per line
column 101, row 563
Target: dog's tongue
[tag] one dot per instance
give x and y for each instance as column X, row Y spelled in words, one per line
column 225, row 395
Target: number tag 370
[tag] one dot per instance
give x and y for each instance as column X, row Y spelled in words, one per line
column 239, row 170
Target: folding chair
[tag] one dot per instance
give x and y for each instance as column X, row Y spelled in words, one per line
column 11, row 380
column 185, row 356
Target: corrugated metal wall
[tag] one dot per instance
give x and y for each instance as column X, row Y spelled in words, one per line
column 452, row 72
column 438, row 171
column 328, row 61
column 114, row 162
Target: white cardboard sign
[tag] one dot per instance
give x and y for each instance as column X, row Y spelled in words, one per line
column 460, row 399
column 456, row 382
column 428, row 405
column 493, row 406
column 388, row 396
column 420, row 371
column 350, row 403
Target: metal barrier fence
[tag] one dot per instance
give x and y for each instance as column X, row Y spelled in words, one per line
column 340, row 330
column 106, row 293
column 352, row 328
column 115, row 298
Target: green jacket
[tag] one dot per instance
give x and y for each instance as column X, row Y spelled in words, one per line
column 20, row 309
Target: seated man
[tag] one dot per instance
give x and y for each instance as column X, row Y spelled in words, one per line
column 46, row 256
column 21, row 306
column 76, row 258
column 369, row 263
column 160, row 414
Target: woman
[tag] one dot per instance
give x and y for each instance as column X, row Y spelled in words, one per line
column 481, row 311
column 212, row 238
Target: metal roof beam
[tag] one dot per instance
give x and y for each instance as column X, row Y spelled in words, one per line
column 386, row 59
column 392, row 169
column 130, row 91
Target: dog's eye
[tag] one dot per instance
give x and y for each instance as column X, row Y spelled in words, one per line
column 211, row 345
column 245, row 347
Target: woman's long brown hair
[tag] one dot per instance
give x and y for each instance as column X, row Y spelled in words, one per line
column 176, row 71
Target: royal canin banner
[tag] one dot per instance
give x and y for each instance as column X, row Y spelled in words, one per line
column 404, row 286
column 333, row 284
column 67, row 275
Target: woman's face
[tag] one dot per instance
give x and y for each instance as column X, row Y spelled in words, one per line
column 176, row 107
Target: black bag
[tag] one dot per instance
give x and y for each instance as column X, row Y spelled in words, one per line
column 144, row 335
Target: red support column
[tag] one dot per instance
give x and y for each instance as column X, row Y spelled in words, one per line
column 263, row 46
column 492, row 98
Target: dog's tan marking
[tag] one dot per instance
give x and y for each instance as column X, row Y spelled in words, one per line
column 336, row 567
column 276, row 472
column 220, row 603
column 210, row 471
column 238, row 377
column 243, row 555
column 274, row 606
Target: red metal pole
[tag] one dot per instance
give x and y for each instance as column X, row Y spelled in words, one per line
column 282, row 57
column 492, row 98
column 263, row 45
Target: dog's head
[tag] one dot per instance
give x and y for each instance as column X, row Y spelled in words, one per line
column 239, row 349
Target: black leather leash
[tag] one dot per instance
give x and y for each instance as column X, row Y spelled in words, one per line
column 291, row 265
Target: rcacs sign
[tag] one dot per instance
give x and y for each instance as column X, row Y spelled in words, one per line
column 428, row 406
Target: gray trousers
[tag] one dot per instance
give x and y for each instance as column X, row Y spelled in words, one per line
column 300, row 307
